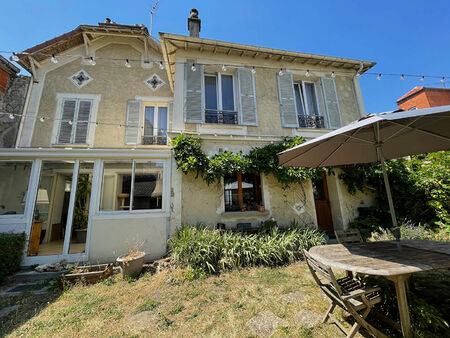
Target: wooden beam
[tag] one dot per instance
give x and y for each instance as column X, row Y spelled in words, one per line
column 215, row 49
column 33, row 68
column 86, row 44
column 293, row 59
column 229, row 51
column 185, row 45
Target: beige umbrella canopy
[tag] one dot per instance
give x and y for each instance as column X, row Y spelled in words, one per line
column 376, row 138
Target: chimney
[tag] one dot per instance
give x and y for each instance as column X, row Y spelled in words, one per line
column 194, row 24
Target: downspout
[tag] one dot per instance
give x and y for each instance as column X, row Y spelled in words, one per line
column 357, row 91
column 24, row 111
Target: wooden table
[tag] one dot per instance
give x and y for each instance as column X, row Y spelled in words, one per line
column 383, row 259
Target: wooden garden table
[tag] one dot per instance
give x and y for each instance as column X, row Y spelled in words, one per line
column 382, row 259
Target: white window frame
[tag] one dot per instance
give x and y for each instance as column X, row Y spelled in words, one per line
column 105, row 214
column 304, row 100
column 156, row 125
column 218, row 77
column 60, row 98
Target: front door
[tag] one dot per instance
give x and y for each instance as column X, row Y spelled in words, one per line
column 322, row 203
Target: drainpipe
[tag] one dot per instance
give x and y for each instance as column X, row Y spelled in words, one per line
column 24, row 112
column 357, row 91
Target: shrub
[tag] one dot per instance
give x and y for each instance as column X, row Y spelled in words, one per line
column 410, row 231
column 11, row 251
column 211, row 251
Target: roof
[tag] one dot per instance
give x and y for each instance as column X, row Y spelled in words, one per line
column 76, row 37
column 171, row 42
column 417, row 90
column 8, row 67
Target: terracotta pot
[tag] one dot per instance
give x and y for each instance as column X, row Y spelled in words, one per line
column 261, row 208
column 131, row 266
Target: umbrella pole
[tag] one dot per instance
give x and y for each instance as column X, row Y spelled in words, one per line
column 391, row 204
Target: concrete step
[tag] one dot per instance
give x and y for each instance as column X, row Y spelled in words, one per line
column 31, row 276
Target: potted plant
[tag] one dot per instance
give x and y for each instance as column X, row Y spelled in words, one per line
column 81, row 209
column 131, row 263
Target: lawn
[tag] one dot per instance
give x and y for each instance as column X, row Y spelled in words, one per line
column 165, row 304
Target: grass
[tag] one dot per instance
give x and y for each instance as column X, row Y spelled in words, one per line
column 166, row 304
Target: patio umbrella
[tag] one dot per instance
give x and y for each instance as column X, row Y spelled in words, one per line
column 376, row 137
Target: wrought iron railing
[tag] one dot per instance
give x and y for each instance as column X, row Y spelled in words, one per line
column 221, row 116
column 157, row 140
column 311, row 121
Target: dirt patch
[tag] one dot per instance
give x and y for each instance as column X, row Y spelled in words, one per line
column 294, row 297
column 307, row 318
column 265, row 323
column 140, row 322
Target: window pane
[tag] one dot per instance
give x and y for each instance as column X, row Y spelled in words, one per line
column 116, row 186
column 251, row 191
column 227, row 92
column 311, row 99
column 162, row 121
column 231, row 193
column 51, row 208
column 81, row 208
column 298, row 99
column 210, row 92
column 149, row 121
column 14, row 179
column 148, row 185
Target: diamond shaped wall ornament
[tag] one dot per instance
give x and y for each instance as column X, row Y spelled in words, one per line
column 154, row 82
column 81, row 78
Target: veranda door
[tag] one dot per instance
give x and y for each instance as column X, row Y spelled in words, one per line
column 59, row 225
column 322, row 203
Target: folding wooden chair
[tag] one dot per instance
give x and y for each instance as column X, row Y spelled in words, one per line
column 348, row 236
column 348, row 293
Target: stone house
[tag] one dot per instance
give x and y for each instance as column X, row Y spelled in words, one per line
column 93, row 174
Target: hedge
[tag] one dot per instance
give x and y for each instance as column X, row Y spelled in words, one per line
column 11, row 252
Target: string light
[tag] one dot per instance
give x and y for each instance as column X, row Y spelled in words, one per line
column 422, row 78
column 70, row 122
column 379, row 77
column 224, row 68
column 11, row 116
column 92, row 61
column 402, row 77
column 127, row 63
column 253, row 70
column 14, row 57
column 333, row 75
column 54, row 59
column 161, row 65
column 42, row 119
column 280, row 72
column 443, row 79
column 193, row 68
column 307, row 73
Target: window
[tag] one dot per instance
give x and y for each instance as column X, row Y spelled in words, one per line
column 155, row 124
column 219, row 99
column 75, row 120
column 242, row 192
column 132, row 185
column 14, row 178
column 307, row 107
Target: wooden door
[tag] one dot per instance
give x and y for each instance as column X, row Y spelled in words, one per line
column 322, row 203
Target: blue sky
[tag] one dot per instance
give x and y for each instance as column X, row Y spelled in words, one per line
column 410, row 37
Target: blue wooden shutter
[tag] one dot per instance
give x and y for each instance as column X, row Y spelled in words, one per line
column 331, row 102
column 193, row 103
column 247, row 97
column 287, row 100
column 133, row 122
column 67, row 116
column 82, row 123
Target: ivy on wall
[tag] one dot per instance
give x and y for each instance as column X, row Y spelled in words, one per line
column 190, row 158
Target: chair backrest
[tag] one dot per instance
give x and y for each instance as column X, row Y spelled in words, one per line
column 317, row 268
column 348, row 236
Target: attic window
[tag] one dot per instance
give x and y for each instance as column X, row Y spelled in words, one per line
column 81, row 78
column 154, row 82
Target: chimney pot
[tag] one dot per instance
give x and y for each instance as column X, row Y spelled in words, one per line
column 194, row 23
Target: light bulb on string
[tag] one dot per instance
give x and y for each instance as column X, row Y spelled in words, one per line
column 422, row 78
column 42, row 119
column 14, row 57
column 54, row 59
column 119, row 126
column 253, row 70
column 443, row 79
column 402, row 77
column 379, row 77
column 307, row 73
column 127, row 63
column 193, row 68
column 224, row 68
column 161, row 65
column 280, row 72
column 70, row 122
column 333, row 75
column 11, row 116
column 92, row 61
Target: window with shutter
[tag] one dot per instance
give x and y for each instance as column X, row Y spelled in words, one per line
column 287, row 100
column 75, row 119
column 193, row 107
column 133, row 122
column 331, row 102
column 247, row 97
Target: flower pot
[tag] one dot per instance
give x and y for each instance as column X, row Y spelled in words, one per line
column 131, row 264
column 261, row 208
column 80, row 235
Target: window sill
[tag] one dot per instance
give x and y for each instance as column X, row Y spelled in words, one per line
column 69, row 145
column 245, row 214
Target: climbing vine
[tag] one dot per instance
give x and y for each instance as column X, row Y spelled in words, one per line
column 190, row 157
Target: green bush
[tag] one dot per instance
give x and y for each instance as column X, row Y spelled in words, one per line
column 11, row 252
column 211, row 251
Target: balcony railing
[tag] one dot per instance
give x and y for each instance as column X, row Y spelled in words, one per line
column 221, row 116
column 311, row 121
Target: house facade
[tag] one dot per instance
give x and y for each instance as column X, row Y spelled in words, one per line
column 93, row 175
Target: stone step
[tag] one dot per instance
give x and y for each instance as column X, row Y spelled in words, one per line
column 30, row 276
